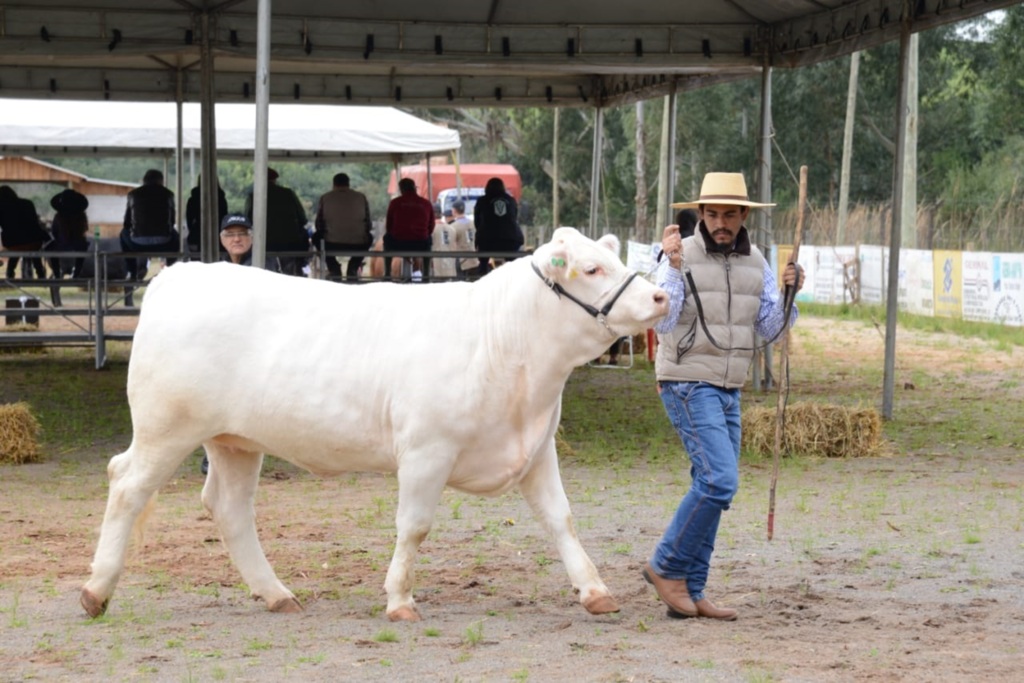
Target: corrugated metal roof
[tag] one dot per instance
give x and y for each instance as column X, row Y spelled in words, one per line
column 455, row 53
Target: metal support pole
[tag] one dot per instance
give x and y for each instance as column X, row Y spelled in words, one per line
column 261, row 155
column 99, row 278
column 670, row 171
column 595, row 170
column 555, row 215
column 179, row 163
column 763, row 236
column 208, row 149
column 892, row 303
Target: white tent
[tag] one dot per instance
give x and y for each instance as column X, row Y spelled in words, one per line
column 296, row 131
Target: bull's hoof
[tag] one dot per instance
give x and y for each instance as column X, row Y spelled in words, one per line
column 286, row 606
column 404, row 614
column 93, row 606
column 601, row 604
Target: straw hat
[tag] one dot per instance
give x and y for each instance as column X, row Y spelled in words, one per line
column 722, row 188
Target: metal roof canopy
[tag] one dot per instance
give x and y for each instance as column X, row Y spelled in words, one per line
column 455, row 53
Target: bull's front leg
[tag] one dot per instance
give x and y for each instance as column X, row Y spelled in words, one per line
column 543, row 490
column 420, row 484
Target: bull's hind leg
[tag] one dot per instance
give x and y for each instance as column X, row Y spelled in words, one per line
column 229, row 495
column 135, row 477
column 543, row 490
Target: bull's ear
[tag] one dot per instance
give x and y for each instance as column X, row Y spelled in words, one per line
column 552, row 259
column 564, row 234
column 611, row 243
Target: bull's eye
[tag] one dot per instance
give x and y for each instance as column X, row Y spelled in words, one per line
column 592, row 270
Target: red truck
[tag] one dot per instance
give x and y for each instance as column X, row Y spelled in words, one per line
column 445, row 179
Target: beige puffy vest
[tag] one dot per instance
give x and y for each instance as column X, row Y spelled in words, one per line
column 729, row 288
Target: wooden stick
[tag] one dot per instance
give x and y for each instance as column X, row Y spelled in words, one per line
column 783, row 377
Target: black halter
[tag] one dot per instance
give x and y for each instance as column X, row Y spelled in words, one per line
column 599, row 314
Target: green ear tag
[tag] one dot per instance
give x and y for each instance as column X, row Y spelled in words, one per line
column 558, row 262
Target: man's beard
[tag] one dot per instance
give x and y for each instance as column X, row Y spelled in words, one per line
column 719, row 247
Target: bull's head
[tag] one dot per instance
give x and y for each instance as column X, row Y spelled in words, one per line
column 591, row 275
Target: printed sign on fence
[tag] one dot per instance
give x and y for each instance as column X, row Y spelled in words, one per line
column 977, row 286
column 808, row 261
column 872, row 274
column 948, row 287
column 641, row 257
column 916, row 289
column 1010, row 303
column 1008, row 289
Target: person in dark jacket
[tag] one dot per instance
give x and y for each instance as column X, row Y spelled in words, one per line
column 70, row 228
column 194, row 214
column 149, row 221
column 496, row 217
column 286, row 224
column 20, row 230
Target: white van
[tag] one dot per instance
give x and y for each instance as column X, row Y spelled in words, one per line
column 469, row 195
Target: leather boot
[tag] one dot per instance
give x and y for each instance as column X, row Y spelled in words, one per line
column 673, row 592
column 707, row 609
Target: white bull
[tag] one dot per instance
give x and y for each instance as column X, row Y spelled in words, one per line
column 456, row 384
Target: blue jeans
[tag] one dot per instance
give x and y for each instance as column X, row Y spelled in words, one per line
column 707, row 419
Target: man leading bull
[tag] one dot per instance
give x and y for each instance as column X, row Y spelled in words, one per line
column 721, row 291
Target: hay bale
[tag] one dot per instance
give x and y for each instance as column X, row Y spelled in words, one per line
column 815, row 429
column 562, row 446
column 18, row 431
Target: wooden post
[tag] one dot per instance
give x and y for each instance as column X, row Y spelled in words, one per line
column 783, row 378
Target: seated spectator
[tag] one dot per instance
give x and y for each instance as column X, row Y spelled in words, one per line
column 70, row 229
column 286, row 224
column 149, row 222
column 236, row 239
column 410, row 223
column 194, row 214
column 442, row 239
column 496, row 217
column 343, row 224
column 465, row 239
column 20, row 230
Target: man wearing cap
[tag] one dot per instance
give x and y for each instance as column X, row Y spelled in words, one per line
column 236, row 239
column 722, row 291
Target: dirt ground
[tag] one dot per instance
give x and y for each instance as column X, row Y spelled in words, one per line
column 903, row 568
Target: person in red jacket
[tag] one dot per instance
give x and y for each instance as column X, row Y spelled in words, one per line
column 410, row 222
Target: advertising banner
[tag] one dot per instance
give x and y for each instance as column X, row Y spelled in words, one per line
column 978, row 283
column 1008, row 289
column 873, row 272
column 948, row 283
column 808, row 261
column 916, row 282
column 642, row 257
